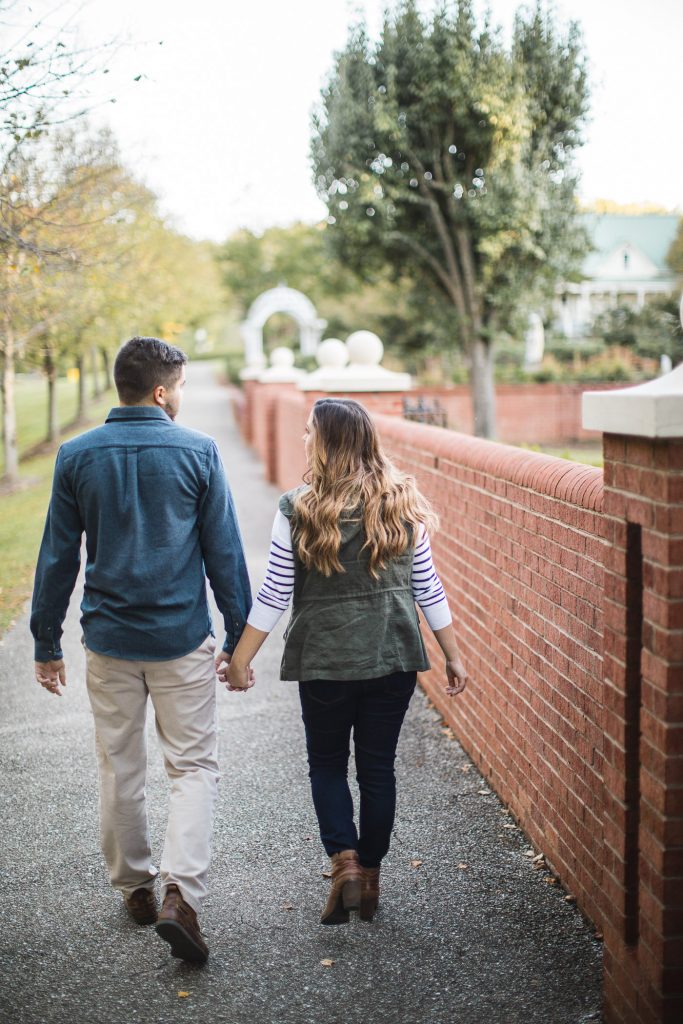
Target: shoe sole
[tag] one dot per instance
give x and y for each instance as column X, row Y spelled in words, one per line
column 144, row 920
column 183, row 946
column 348, row 899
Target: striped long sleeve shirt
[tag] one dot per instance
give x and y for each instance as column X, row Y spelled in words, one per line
column 276, row 591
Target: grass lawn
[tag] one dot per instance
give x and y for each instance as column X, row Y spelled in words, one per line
column 588, row 454
column 22, row 516
column 31, row 404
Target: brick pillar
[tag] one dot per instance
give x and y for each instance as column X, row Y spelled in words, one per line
column 264, row 397
column 643, row 699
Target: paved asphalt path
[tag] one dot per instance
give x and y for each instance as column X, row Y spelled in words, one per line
column 486, row 943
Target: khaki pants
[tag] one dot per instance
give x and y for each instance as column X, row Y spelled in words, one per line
column 183, row 694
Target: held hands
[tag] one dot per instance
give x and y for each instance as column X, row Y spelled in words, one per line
column 456, row 676
column 51, row 675
column 237, row 679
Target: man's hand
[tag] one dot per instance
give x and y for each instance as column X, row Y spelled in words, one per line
column 456, row 677
column 222, row 662
column 51, row 675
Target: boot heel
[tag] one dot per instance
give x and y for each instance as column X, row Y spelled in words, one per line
column 369, row 897
column 351, row 895
column 367, row 909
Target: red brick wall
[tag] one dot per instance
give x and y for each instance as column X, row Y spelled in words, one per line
column 520, row 553
column 570, row 618
column 525, row 413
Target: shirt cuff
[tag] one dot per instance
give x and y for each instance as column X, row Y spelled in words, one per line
column 45, row 652
column 264, row 617
column 438, row 615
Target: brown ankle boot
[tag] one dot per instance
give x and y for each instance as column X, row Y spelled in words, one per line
column 345, row 889
column 369, row 893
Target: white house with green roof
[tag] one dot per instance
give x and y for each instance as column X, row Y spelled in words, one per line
column 626, row 267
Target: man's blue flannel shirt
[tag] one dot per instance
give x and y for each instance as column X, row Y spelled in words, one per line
column 158, row 517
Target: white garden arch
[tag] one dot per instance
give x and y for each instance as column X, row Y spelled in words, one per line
column 280, row 300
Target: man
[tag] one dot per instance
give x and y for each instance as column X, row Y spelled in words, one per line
column 156, row 510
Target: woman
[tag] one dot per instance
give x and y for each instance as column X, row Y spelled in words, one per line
column 352, row 549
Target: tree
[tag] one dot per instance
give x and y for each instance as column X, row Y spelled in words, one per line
column 41, row 73
column 650, row 332
column 449, row 157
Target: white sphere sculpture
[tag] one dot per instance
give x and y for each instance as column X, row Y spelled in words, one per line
column 332, row 353
column 282, row 357
column 365, row 348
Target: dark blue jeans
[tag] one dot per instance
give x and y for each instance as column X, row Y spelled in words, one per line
column 374, row 710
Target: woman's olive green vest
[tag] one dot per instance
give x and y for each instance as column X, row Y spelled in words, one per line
column 350, row 625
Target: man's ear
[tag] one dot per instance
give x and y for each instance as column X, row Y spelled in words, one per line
column 159, row 395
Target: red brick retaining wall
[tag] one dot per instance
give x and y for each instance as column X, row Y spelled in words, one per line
column 520, row 553
column 567, row 593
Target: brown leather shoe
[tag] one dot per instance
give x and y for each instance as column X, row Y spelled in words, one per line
column 142, row 906
column 369, row 893
column 177, row 924
column 345, row 889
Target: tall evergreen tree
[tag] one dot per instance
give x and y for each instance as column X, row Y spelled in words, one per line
column 448, row 156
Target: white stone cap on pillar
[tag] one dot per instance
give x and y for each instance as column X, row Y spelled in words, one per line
column 254, row 369
column 353, row 366
column 282, row 369
column 654, row 409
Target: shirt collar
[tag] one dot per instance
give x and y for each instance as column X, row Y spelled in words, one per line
column 138, row 412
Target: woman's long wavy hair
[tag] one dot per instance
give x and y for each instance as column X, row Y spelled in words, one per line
column 349, row 474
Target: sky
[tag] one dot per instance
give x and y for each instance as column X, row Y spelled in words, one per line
column 219, row 124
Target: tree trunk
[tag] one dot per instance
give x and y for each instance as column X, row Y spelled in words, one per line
column 9, row 415
column 51, row 375
column 483, row 388
column 106, row 365
column 94, row 362
column 83, row 401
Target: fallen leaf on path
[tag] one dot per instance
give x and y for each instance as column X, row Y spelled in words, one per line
column 416, row 863
column 570, row 899
column 484, row 792
column 550, row 881
column 327, row 873
column 183, row 995
column 462, row 867
column 465, row 767
column 327, row 963
column 288, row 906
column 510, row 826
column 529, row 853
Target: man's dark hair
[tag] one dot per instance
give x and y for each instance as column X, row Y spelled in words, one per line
column 142, row 365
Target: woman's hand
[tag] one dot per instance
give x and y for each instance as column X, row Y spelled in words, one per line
column 457, row 677
column 238, row 678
